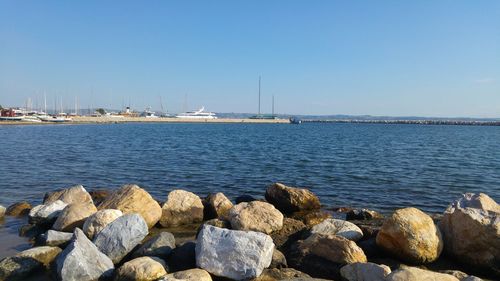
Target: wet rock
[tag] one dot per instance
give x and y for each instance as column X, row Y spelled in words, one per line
column 217, row 205
column 182, row 207
column 244, row 198
column 256, row 216
column 407, row 273
column 31, row 230
column 46, row 214
column 362, row 214
column 141, row 269
column 334, row 248
column 291, row 231
column 97, row 221
column 411, row 235
column 132, row 199
column 74, row 194
column 73, row 216
column 121, row 236
column 82, row 261
column 340, row 228
column 18, row 209
column 311, row 218
column 365, row 272
column 291, row 199
column 233, row 254
column 183, row 257
column 279, row 260
column 194, row 274
column 471, row 231
column 285, row 274
column 56, row 238
column 98, row 196
column 160, row 245
column 27, row 262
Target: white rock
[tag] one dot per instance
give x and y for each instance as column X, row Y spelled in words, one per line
column 46, row 213
column 340, row 228
column 365, row 272
column 56, row 238
column 96, row 222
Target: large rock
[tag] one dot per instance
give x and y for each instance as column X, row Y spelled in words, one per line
column 291, row 199
column 2, row 211
column 471, row 231
column 181, row 207
column 18, row 209
column 45, row 214
column 365, row 272
column 194, row 274
column 411, row 235
column 160, row 245
column 97, row 221
column 233, row 254
column 217, row 205
column 74, row 194
column 56, row 238
column 121, row 236
column 256, row 216
column 141, row 269
column 73, row 216
column 27, row 262
column 133, row 199
column 334, row 248
column 82, row 261
column 407, row 273
column 338, row 227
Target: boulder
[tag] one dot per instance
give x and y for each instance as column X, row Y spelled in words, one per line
column 338, row 227
column 471, row 231
column 233, row 254
column 183, row 257
column 181, row 207
column 411, row 235
column 141, row 269
column 365, row 272
column 121, row 236
column 285, row 274
column 256, row 216
column 291, row 231
column 74, row 194
column 73, row 216
column 216, row 205
column 291, row 199
column 194, row 274
column 82, row 261
column 97, row 221
column 26, row 262
column 56, row 238
column 160, row 245
column 46, row 214
column 2, row 211
column 133, row 199
column 334, row 248
column 362, row 214
column 279, row 260
column 407, row 273
column 18, row 209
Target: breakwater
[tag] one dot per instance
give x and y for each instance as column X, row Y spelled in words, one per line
column 408, row 122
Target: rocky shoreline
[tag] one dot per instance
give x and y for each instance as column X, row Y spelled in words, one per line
column 128, row 235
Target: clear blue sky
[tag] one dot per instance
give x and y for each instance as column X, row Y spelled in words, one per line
column 400, row 58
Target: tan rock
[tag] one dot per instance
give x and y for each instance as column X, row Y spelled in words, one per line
column 97, row 221
column 74, row 194
column 27, row 262
column 141, row 269
column 195, row 274
column 2, row 211
column 18, row 209
column 411, row 235
column 477, row 201
column 291, row 199
column 43, row 254
column 365, row 272
column 217, row 205
column 334, row 248
column 407, row 273
column 256, row 216
column 133, row 199
column 73, row 216
column 181, row 207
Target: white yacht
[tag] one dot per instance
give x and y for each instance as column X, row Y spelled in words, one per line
column 199, row 114
column 148, row 113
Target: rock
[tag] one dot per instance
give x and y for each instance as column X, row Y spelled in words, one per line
column 73, row 216
column 279, row 260
column 365, row 272
column 362, row 214
column 285, row 274
column 216, row 205
column 472, row 235
column 291, row 199
column 97, row 221
column 98, row 196
column 74, row 194
column 46, row 214
column 256, row 216
column 56, row 238
column 31, row 230
column 133, row 199
column 160, row 245
column 182, row 207
column 291, row 231
column 411, row 235
column 334, row 248
column 471, row 278
column 407, row 273
column 233, row 254
column 195, row 274
column 120, row 237
column 244, row 198
column 338, row 227
column 26, row 262
column 456, row 273
column 311, row 218
column 18, row 209
column 370, row 228
column 141, row 269
column 2, row 211
column 183, row 257
column 82, row 261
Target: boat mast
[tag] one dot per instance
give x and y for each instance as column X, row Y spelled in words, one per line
column 259, row 98
column 45, row 101
column 273, row 107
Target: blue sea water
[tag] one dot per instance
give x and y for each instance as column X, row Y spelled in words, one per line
column 382, row 167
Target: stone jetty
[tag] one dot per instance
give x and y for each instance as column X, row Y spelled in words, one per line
column 127, row 234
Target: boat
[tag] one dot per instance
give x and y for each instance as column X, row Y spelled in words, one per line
column 199, row 114
column 294, row 120
column 148, row 113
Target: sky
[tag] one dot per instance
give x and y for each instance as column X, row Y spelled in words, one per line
column 392, row 58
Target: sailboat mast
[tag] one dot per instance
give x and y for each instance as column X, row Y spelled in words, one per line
column 45, row 102
column 273, row 105
column 259, row 96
